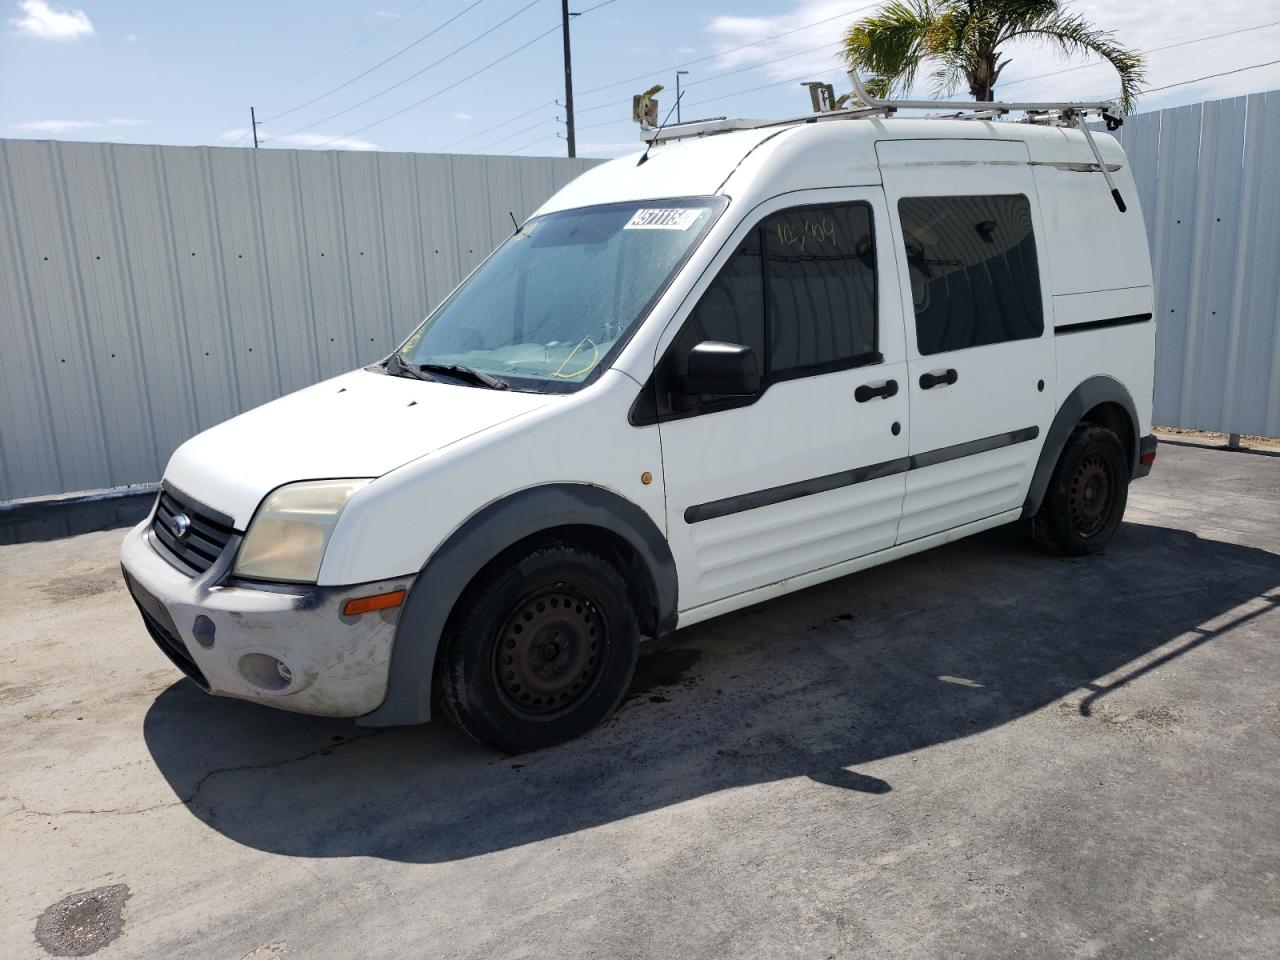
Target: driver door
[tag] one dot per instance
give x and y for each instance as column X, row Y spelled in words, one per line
column 808, row 471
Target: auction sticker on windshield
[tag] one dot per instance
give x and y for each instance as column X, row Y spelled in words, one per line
column 663, row 218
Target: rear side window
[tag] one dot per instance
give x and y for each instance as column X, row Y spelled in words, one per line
column 974, row 276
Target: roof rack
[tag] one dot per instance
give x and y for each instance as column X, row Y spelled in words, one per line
column 863, row 105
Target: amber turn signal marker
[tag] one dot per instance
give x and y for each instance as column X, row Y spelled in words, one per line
column 379, row 601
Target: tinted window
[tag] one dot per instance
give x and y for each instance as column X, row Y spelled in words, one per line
column 972, row 262
column 732, row 309
column 821, row 288
column 800, row 290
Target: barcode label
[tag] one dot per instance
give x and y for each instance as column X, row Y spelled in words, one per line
column 663, row 218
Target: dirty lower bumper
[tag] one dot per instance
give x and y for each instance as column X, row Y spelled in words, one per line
column 277, row 645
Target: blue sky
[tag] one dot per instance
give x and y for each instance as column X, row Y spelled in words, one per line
column 184, row 73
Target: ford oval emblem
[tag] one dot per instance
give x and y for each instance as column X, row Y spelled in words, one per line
column 181, row 525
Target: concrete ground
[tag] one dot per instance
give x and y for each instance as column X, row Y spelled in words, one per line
column 979, row 752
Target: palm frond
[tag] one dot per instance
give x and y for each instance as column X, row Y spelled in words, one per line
column 1074, row 36
column 891, row 44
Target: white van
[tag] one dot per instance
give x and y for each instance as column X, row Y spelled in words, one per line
column 748, row 362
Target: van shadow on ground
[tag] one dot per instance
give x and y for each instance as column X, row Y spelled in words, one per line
column 815, row 684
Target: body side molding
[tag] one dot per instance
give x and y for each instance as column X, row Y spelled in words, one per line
column 480, row 539
column 1081, row 400
column 833, row 481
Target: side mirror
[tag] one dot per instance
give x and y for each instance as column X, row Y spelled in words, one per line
column 727, row 369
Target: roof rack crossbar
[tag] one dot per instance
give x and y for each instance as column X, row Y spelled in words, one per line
column 860, row 91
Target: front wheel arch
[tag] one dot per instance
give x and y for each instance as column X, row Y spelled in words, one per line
column 551, row 510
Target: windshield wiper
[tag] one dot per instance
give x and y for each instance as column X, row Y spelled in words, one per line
column 396, row 367
column 466, row 374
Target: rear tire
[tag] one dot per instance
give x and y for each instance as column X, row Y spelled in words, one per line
column 1087, row 493
column 540, row 650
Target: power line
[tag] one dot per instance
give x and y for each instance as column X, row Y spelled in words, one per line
column 496, row 126
column 356, row 46
column 623, row 103
column 473, row 74
column 514, row 134
column 380, row 63
column 722, row 53
column 435, row 63
column 646, row 76
column 442, row 90
column 534, row 143
column 1171, row 46
column 1211, row 76
column 328, row 63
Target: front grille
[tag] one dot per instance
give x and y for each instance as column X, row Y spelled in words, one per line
column 206, row 536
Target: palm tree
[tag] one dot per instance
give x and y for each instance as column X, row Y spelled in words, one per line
column 963, row 39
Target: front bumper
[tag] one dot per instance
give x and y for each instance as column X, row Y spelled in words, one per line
column 231, row 638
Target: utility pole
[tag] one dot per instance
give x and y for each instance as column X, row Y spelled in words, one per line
column 679, row 74
column 568, row 78
column 253, row 125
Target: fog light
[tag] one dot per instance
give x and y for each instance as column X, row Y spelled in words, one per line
column 265, row 673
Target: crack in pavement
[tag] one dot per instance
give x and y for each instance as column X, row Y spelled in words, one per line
column 191, row 798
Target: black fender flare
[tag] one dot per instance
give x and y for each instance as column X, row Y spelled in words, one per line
column 479, row 539
column 1081, row 400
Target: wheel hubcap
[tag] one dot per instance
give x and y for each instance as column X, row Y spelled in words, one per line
column 550, row 651
column 1091, row 494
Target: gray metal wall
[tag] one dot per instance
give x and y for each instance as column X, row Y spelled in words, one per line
column 149, row 292
column 1209, row 180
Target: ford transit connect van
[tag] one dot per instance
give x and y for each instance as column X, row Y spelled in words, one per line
column 746, row 363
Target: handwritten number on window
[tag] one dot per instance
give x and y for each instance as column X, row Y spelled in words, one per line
column 800, row 237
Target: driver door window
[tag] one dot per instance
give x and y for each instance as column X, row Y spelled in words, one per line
column 800, row 291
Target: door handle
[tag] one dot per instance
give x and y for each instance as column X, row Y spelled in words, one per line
column 930, row 380
column 867, row 392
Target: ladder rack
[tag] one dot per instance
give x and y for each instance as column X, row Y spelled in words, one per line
column 1056, row 113
column 1064, row 113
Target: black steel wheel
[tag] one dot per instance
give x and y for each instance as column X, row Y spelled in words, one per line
column 549, row 655
column 540, row 649
column 1088, row 492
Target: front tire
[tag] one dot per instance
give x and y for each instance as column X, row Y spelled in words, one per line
column 541, row 649
column 1087, row 493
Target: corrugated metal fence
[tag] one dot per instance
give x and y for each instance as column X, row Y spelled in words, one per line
column 1209, row 179
column 149, row 292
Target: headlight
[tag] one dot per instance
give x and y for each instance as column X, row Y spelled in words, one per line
column 287, row 537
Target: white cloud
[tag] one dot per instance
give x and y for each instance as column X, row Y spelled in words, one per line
column 386, row 14
column 462, row 116
column 685, row 50
column 301, row 139
column 70, row 126
column 51, row 23
column 1140, row 25
column 131, row 38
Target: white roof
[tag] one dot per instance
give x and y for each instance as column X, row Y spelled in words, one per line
column 763, row 162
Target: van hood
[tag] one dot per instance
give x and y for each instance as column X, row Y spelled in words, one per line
column 361, row 424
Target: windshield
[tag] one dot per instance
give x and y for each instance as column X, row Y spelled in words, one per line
column 557, row 301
